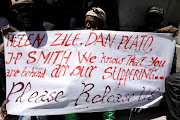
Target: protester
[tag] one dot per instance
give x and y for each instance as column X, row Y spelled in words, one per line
column 153, row 18
column 95, row 20
column 25, row 13
column 172, row 87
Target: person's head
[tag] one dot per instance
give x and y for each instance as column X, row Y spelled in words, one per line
column 154, row 15
column 95, row 19
column 24, row 11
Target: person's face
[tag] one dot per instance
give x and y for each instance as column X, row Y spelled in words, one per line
column 154, row 19
column 92, row 23
column 25, row 15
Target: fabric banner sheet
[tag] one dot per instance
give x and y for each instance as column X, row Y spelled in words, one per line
column 62, row 72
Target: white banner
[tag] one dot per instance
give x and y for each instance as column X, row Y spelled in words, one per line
column 62, row 72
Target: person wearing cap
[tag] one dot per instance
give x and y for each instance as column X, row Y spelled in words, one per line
column 25, row 11
column 95, row 19
column 153, row 19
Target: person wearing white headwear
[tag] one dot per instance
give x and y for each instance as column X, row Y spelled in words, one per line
column 96, row 19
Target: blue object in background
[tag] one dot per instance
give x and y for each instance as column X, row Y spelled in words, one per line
column 1, row 40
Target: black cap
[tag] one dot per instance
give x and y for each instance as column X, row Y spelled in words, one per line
column 156, row 9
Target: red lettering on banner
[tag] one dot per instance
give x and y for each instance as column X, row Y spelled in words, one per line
column 39, row 40
column 67, row 58
column 143, row 36
column 66, row 43
column 126, row 41
column 128, row 74
column 157, row 62
column 21, row 43
column 149, row 44
column 135, row 44
column 60, row 70
column 48, row 57
column 13, row 40
column 112, row 60
column 58, row 42
column 18, row 56
column 10, row 58
column 82, row 71
column 20, row 40
column 106, row 71
column 84, row 57
column 75, row 38
column 27, row 40
column 91, row 33
column 10, row 40
column 11, row 72
column 33, row 73
column 101, row 40
column 132, row 61
column 109, row 38
column 29, row 55
column 53, row 44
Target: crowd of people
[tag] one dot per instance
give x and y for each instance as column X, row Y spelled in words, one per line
column 41, row 15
